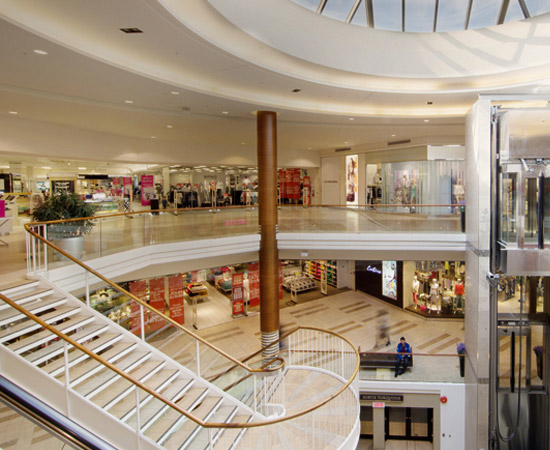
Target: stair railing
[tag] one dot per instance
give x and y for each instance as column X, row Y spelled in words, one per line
column 303, row 347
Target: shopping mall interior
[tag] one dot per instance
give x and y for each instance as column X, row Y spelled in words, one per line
column 401, row 148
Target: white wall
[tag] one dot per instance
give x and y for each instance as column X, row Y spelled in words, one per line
column 330, row 180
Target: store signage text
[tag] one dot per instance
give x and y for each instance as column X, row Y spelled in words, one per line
column 374, row 270
column 381, row 397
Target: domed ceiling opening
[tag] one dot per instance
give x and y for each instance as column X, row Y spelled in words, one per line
column 427, row 15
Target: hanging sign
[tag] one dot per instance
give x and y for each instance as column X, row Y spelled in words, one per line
column 156, row 300
column 237, row 299
column 175, row 298
column 139, row 289
column 280, row 280
column 254, row 284
column 307, row 191
column 127, row 183
column 147, row 189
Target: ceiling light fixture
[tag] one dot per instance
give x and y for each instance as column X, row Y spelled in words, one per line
column 128, row 101
column 169, row 126
column 296, row 90
column 131, row 30
column 225, row 112
column 82, row 168
column 14, row 113
column 40, row 52
column 46, row 167
column 426, row 120
column 352, row 118
column 175, row 93
column 153, row 137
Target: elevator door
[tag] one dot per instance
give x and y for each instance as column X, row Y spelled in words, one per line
column 411, row 424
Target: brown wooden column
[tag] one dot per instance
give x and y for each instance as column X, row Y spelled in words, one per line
column 267, row 217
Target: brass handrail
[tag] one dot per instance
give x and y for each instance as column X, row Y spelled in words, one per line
column 168, row 402
column 138, row 300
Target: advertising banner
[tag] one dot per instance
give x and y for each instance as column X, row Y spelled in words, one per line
column 237, row 299
column 175, row 298
column 351, row 179
column 280, row 280
column 139, row 289
column 254, row 284
column 156, row 300
column 127, row 183
column 307, row 191
column 147, row 189
column 296, row 178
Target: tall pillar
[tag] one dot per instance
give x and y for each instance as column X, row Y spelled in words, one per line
column 267, row 217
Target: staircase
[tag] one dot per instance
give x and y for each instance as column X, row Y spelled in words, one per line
column 128, row 407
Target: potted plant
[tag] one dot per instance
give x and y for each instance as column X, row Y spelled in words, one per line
column 461, row 350
column 68, row 236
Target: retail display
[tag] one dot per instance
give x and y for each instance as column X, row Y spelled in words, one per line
column 437, row 287
column 314, row 268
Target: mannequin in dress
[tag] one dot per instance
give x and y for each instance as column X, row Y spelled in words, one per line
column 434, row 295
column 415, row 290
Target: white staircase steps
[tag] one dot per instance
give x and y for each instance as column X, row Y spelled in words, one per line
column 55, row 348
column 106, row 388
column 26, row 296
column 10, row 315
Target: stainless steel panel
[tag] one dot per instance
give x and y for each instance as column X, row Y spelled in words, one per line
column 530, row 262
column 525, row 134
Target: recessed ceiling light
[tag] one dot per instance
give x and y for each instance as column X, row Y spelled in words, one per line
column 46, row 167
column 4, row 167
column 128, row 101
column 296, row 90
column 68, row 163
column 225, row 112
column 153, row 137
column 393, row 135
column 309, row 148
column 346, row 142
column 169, row 126
column 352, row 118
column 14, row 113
column 82, row 168
column 175, row 93
column 242, row 143
column 40, row 52
column 426, row 120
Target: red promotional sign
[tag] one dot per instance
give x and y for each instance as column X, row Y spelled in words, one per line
column 280, row 280
column 127, row 183
column 139, row 289
column 237, row 302
column 288, row 183
column 147, row 189
column 175, row 298
column 282, row 183
column 296, row 174
column 254, row 284
column 307, row 191
column 156, row 300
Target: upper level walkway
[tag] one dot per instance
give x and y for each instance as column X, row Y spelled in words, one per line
column 336, row 232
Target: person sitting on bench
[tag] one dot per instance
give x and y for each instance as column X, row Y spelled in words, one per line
column 402, row 358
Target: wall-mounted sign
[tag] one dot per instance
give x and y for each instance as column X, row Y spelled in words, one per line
column 351, row 179
column 376, row 397
column 389, row 279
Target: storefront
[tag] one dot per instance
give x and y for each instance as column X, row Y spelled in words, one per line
column 428, row 288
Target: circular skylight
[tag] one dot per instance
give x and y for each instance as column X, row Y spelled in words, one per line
column 427, row 15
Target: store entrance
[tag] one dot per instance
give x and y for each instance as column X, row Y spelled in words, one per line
column 410, row 424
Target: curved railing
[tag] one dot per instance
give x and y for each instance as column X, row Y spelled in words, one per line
column 263, row 385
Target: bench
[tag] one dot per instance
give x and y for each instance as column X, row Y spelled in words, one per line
column 373, row 360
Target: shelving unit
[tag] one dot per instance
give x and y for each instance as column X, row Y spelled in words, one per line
column 314, row 268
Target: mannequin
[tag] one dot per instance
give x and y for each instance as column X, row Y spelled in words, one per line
column 459, row 295
column 434, row 295
column 415, row 290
